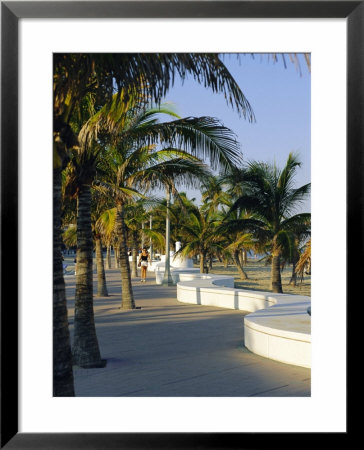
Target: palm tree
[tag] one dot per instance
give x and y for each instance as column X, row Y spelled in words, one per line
column 99, row 205
column 79, row 175
column 213, row 193
column 179, row 210
column 63, row 384
column 101, row 277
column 105, row 225
column 270, row 195
column 237, row 227
column 199, row 235
column 135, row 215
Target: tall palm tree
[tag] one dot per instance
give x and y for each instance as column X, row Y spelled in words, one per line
column 80, row 172
column 270, row 195
column 63, row 384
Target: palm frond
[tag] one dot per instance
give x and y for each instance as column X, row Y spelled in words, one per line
column 70, row 236
column 139, row 74
column 203, row 137
column 105, row 224
column 176, row 171
column 304, row 261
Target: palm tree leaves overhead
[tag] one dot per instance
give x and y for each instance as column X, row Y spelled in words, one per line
column 109, row 119
column 275, row 57
column 207, row 138
column 173, row 172
column 133, row 157
column 204, row 137
column 150, row 75
column 136, row 131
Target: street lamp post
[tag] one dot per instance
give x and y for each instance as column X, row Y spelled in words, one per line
column 150, row 239
column 167, row 279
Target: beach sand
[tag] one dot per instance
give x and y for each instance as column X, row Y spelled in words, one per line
column 259, row 278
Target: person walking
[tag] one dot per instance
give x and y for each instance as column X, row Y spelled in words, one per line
column 144, row 258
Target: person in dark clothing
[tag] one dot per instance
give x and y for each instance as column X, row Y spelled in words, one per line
column 144, row 258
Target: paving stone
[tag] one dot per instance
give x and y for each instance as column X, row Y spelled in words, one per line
column 170, row 349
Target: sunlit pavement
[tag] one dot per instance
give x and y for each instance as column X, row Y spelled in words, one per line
column 168, row 349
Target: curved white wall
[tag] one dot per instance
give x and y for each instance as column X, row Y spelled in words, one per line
column 278, row 327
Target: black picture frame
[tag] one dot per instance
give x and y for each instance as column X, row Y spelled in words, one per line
column 11, row 12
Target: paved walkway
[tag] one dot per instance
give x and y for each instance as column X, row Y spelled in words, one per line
column 169, row 349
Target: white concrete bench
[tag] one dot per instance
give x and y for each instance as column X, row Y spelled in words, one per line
column 279, row 326
column 159, row 270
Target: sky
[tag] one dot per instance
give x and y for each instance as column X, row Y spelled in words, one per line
column 281, row 100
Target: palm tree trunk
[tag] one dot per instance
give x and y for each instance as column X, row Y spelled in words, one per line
column 245, row 257
column 108, row 257
column 63, row 383
column 134, row 265
column 101, row 279
column 202, row 262
column 85, row 349
column 239, row 266
column 276, row 271
column 293, row 279
column 116, row 258
column 127, row 297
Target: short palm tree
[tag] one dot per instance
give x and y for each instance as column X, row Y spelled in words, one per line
column 236, row 227
column 269, row 194
column 199, row 235
column 213, row 193
column 99, row 205
column 135, row 216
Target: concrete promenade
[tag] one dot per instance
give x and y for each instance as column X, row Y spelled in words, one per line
column 170, row 349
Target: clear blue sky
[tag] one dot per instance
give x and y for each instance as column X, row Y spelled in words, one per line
column 281, row 100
